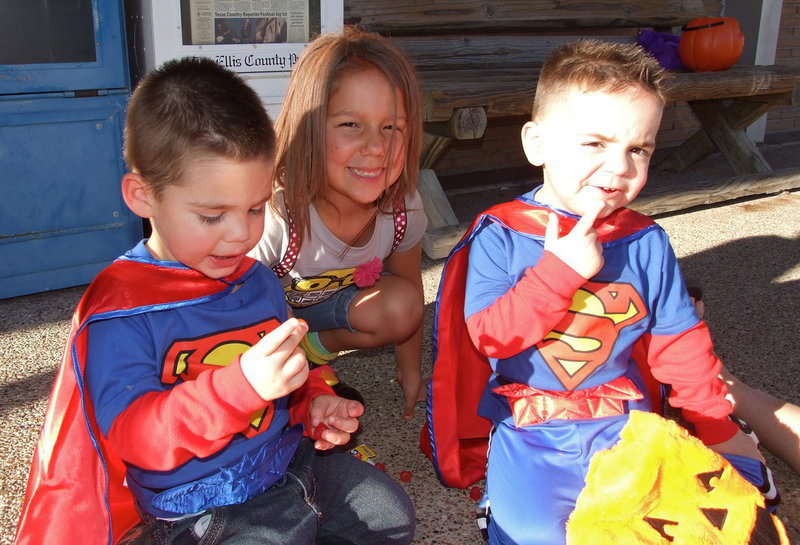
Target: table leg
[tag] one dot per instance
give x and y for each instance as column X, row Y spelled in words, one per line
column 723, row 129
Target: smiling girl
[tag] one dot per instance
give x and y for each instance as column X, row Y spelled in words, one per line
column 344, row 225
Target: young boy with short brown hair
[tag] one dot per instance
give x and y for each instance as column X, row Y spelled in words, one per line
column 184, row 410
column 562, row 292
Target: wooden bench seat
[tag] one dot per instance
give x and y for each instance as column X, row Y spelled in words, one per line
column 479, row 60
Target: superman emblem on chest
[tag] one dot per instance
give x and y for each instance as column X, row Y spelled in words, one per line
column 584, row 339
column 185, row 359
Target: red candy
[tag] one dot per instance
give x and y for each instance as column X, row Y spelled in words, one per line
column 381, row 466
column 475, row 493
column 319, row 429
column 405, row 476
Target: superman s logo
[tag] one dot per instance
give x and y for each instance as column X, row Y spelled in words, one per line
column 583, row 340
column 185, row 359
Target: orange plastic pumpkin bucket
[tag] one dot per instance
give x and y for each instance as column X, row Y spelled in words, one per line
column 709, row 44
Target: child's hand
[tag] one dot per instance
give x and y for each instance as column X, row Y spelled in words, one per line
column 333, row 419
column 276, row 366
column 579, row 248
column 414, row 391
column 740, row 444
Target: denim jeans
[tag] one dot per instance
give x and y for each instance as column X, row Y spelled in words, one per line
column 332, row 313
column 325, row 498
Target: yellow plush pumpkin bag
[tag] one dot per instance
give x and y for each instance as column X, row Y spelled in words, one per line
column 660, row 486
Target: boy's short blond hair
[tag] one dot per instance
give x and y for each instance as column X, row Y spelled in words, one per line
column 597, row 66
column 192, row 108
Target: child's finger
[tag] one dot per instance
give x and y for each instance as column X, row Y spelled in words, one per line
column 295, row 367
column 408, row 412
column 327, row 436
column 586, row 223
column 284, row 337
column 354, row 409
column 551, row 229
column 347, row 425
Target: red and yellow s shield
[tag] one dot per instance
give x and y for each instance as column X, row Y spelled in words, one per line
column 583, row 340
column 187, row 358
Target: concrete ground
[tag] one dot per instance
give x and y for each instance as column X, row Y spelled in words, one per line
column 746, row 255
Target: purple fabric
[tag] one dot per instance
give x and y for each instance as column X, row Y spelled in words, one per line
column 663, row 46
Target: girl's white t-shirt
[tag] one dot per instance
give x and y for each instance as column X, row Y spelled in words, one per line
column 325, row 264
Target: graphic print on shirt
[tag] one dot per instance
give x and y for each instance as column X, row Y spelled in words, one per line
column 584, row 339
column 303, row 292
column 187, row 358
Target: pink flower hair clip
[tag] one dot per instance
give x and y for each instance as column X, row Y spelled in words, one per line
column 368, row 273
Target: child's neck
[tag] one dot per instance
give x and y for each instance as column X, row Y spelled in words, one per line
column 352, row 223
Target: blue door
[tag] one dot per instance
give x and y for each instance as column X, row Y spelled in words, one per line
column 64, row 86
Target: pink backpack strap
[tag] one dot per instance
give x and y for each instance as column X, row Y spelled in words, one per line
column 400, row 223
column 286, row 264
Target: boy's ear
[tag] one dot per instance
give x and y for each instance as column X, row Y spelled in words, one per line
column 532, row 143
column 137, row 194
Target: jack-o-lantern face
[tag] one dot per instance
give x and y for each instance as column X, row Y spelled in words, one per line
column 660, row 486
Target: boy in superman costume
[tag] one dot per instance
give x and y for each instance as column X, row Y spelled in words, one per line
column 548, row 303
column 184, row 409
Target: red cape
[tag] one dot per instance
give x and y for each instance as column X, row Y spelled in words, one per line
column 455, row 437
column 75, row 490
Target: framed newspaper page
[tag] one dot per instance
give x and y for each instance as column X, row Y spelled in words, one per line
column 259, row 39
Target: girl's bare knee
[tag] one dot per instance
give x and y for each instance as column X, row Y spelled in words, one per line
column 394, row 314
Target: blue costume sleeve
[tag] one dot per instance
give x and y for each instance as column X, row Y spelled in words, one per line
column 487, row 269
column 673, row 311
column 120, row 366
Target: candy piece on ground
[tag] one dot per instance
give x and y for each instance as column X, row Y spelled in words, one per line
column 475, row 493
column 405, row 476
column 381, row 466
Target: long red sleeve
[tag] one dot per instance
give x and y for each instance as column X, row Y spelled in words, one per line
column 195, row 419
column 212, row 408
column 687, row 362
column 528, row 311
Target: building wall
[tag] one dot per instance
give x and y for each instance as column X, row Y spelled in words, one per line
column 500, row 147
column 787, row 118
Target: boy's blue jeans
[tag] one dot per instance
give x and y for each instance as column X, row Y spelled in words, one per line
column 326, row 498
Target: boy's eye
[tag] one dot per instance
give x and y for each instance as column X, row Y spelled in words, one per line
column 258, row 211
column 351, row 124
column 640, row 151
column 210, row 219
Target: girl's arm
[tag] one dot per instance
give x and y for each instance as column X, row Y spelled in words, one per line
column 776, row 422
column 408, row 265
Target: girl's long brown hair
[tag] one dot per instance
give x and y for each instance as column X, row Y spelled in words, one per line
column 300, row 163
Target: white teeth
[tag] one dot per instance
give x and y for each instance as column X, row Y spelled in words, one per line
column 364, row 174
